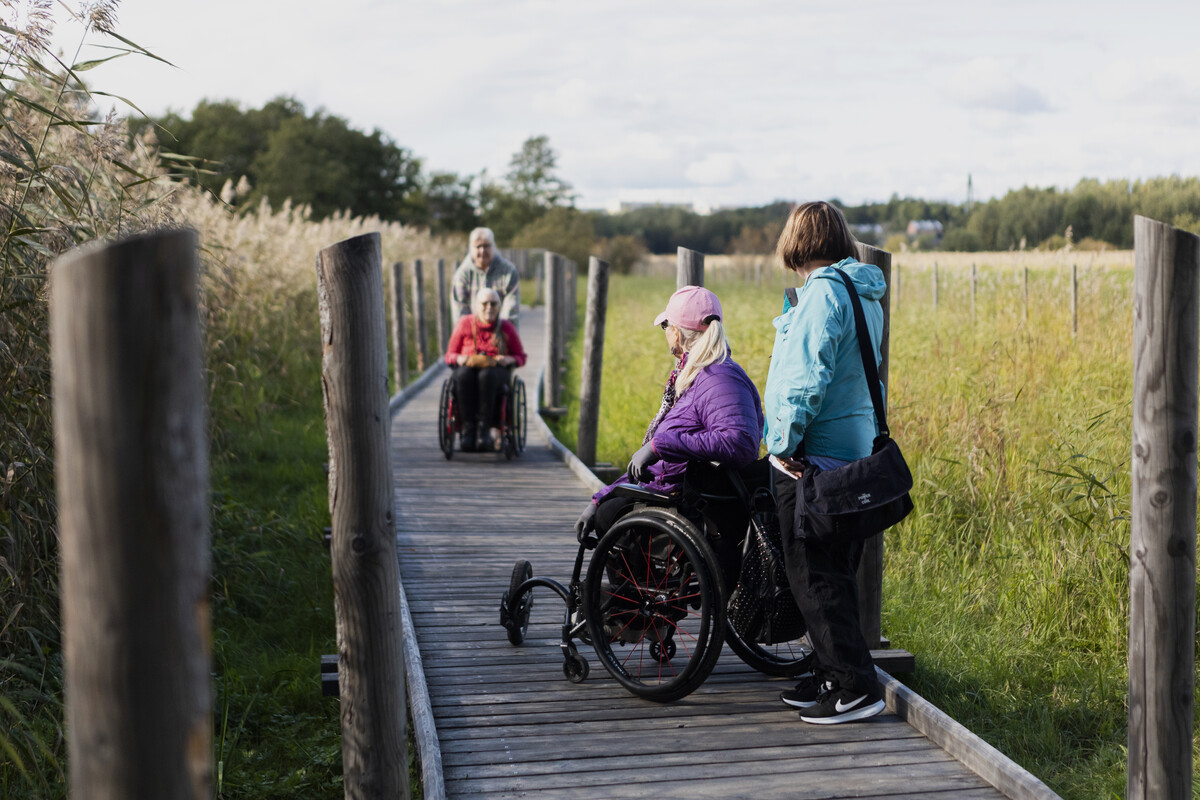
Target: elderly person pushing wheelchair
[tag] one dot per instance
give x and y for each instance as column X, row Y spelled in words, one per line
column 483, row 350
column 710, row 409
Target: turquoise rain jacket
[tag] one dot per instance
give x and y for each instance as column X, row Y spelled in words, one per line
column 816, row 390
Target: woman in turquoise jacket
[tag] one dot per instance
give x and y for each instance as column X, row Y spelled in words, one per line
column 818, row 408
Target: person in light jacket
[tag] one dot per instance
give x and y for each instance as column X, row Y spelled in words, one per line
column 484, row 268
column 710, row 409
column 818, row 408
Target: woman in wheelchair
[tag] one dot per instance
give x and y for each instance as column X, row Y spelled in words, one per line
column 710, row 410
column 483, row 350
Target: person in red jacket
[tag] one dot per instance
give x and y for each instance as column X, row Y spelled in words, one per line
column 483, row 350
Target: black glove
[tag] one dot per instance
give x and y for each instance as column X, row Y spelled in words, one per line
column 639, row 465
column 586, row 522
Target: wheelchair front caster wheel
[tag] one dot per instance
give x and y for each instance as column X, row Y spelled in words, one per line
column 662, row 651
column 517, row 623
column 576, row 668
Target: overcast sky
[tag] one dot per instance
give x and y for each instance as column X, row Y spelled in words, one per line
column 714, row 103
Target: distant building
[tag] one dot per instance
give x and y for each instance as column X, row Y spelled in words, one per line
column 867, row 230
column 921, row 226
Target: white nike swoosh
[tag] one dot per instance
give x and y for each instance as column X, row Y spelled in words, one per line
column 840, row 708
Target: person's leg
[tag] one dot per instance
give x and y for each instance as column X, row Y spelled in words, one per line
column 466, row 392
column 491, row 381
column 824, row 582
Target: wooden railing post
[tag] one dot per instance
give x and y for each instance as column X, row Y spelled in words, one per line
column 593, row 360
column 552, row 379
column 1162, row 563
column 420, row 324
column 443, row 307
column 366, row 576
column 399, row 334
column 132, row 487
column 870, row 568
column 689, row 268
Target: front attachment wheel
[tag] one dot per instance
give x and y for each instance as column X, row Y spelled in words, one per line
column 517, row 623
column 653, row 605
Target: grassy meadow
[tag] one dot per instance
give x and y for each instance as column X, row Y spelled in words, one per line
column 1010, row 581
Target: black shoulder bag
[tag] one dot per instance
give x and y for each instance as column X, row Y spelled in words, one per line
column 862, row 498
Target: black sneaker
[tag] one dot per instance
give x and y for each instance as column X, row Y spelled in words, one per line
column 808, row 690
column 467, row 439
column 841, row 705
column 486, row 443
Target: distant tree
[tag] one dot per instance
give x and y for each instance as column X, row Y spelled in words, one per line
column 285, row 153
column 962, row 240
column 530, row 189
column 450, row 203
column 567, row 231
column 621, row 252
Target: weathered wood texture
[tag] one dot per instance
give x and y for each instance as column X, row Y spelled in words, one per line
column 593, row 360
column 363, row 546
column 420, row 318
column 870, row 569
column 552, row 333
column 689, row 269
column 132, row 480
column 1162, row 569
column 399, row 332
column 444, row 324
column 511, row 725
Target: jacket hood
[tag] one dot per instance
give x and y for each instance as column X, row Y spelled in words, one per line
column 867, row 278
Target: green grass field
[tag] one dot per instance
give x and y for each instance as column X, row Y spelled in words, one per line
column 1010, row 582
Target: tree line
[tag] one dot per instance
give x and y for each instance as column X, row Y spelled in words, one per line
column 282, row 152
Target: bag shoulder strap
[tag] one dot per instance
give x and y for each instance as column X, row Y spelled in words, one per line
column 869, row 366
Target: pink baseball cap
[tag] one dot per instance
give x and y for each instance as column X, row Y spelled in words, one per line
column 691, row 307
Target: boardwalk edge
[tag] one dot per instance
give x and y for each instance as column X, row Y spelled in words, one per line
column 1005, row 775
column 570, row 459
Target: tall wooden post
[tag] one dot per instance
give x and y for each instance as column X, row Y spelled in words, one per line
column 593, row 360
column 689, row 269
column 1162, row 564
column 132, row 471
column 870, row 568
column 443, row 307
column 399, row 335
column 366, row 575
column 420, row 324
column 551, row 378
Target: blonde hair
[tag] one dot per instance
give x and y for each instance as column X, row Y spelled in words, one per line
column 815, row 231
column 709, row 346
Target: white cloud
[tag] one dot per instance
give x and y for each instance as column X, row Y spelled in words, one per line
column 988, row 84
column 715, row 169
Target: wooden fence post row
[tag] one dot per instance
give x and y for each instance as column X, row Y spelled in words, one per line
column 399, row 332
column 132, row 483
column 1162, row 564
column 366, row 575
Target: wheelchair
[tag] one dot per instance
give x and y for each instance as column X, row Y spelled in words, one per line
column 511, row 408
column 652, row 602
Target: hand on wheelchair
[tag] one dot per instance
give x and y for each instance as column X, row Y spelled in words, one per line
column 585, row 526
column 639, row 465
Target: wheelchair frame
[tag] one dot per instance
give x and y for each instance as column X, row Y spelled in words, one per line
column 654, row 589
column 512, row 418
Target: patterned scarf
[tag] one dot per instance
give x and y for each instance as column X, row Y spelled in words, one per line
column 668, row 400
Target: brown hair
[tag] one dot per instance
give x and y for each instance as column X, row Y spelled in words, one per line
column 815, row 231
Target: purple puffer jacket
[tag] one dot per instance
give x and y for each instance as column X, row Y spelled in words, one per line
column 719, row 418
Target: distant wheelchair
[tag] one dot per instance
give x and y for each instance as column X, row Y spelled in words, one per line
column 511, row 413
column 653, row 600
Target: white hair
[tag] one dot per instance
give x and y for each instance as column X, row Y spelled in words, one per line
column 481, row 233
column 485, row 294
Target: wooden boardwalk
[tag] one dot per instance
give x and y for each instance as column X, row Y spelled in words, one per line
column 511, row 725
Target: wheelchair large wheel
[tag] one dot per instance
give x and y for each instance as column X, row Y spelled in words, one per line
column 653, row 605
column 781, row 659
column 446, row 421
column 518, row 415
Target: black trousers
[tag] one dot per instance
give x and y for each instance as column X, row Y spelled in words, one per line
column 824, row 582
column 476, row 389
